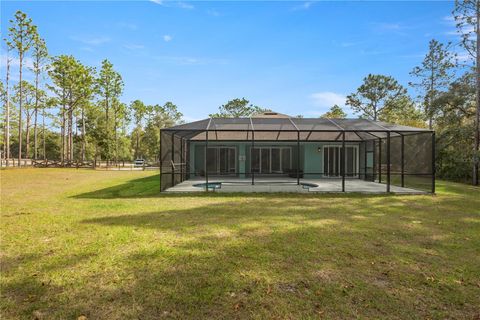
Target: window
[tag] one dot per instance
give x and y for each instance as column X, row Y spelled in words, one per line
column 271, row 159
column 332, row 157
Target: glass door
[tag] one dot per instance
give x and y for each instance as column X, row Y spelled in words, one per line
column 212, row 156
column 267, row 160
column 332, row 157
column 221, row 160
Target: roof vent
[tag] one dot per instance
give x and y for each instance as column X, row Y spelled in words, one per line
column 270, row 114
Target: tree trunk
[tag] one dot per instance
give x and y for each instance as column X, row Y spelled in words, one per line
column 62, row 129
column 84, row 141
column 7, row 125
column 27, row 133
column 70, row 134
column 35, row 117
column 43, row 135
column 116, row 142
column 20, row 109
column 431, row 99
column 35, row 134
column 477, row 117
column 138, row 138
column 106, row 128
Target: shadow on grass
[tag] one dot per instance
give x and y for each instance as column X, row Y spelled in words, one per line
column 365, row 258
column 149, row 187
column 276, row 259
column 135, row 188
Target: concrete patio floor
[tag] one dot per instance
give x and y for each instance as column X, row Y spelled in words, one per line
column 285, row 184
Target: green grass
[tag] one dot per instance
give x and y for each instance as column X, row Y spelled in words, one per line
column 106, row 245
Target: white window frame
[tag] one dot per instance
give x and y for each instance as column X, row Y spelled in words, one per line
column 270, row 157
column 217, row 169
column 339, row 146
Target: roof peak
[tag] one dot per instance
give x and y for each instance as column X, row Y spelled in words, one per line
column 270, row 114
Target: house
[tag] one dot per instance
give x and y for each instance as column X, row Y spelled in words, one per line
column 276, row 152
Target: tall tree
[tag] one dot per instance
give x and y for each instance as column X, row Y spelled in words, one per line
column 404, row 111
column 139, row 110
column 160, row 117
column 26, row 91
column 335, row 112
column 120, row 119
column 22, row 34
column 433, row 75
column 109, row 87
column 7, row 112
column 375, row 96
column 39, row 55
column 467, row 17
column 3, row 95
column 237, row 108
column 73, row 87
column 454, row 127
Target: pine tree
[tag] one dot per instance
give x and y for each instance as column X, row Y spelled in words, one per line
column 22, row 34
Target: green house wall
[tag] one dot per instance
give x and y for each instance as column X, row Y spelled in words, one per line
column 311, row 156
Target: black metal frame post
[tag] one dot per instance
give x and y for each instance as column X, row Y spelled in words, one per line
column 342, row 165
column 173, row 159
column 379, row 160
column 388, row 162
column 434, row 168
column 403, row 160
column 251, row 158
column 205, row 161
column 181, row 159
column 160, row 160
column 298, row 157
column 365, row 160
column 374, row 160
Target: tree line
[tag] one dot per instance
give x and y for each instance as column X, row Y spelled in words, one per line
column 446, row 98
column 70, row 111
column 85, row 104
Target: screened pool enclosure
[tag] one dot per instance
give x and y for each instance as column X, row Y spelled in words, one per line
column 281, row 153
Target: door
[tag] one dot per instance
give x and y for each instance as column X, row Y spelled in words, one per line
column 332, row 157
column 221, row 160
column 268, row 160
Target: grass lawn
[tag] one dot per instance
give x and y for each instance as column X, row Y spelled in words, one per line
column 106, row 245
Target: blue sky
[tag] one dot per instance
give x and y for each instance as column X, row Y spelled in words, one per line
column 293, row 57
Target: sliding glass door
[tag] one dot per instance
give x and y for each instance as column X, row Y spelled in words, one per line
column 332, row 161
column 221, row 160
column 267, row 160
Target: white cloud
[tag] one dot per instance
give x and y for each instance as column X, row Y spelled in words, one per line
column 178, row 4
column 185, row 5
column 213, row 13
column 348, row 44
column 463, row 57
column 449, row 20
column 127, row 25
column 452, row 23
column 304, row 6
column 89, row 49
column 15, row 62
column 387, row 28
column 179, row 60
column 91, row 41
column 133, row 46
column 167, row 38
column 327, row 99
